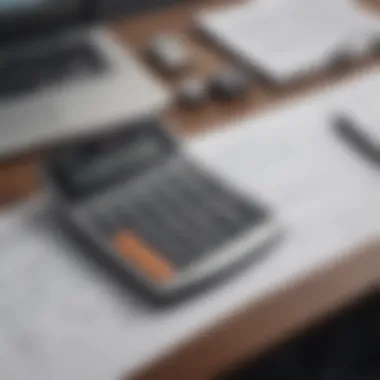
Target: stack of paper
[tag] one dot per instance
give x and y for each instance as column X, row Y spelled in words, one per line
column 287, row 38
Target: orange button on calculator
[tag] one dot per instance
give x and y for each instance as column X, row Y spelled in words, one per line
column 146, row 258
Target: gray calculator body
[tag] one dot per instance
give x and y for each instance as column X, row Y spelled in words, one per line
column 163, row 219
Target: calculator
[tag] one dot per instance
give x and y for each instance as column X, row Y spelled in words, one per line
column 158, row 214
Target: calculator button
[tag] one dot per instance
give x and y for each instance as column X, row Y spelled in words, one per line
column 146, row 258
column 175, row 236
column 175, row 242
column 181, row 251
column 121, row 218
column 153, row 227
column 106, row 224
column 187, row 222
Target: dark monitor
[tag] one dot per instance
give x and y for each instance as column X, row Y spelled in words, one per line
column 24, row 18
column 123, row 8
column 20, row 19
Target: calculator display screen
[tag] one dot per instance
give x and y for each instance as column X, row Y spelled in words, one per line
column 86, row 168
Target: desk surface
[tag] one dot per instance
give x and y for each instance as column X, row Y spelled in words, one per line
column 58, row 312
column 258, row 323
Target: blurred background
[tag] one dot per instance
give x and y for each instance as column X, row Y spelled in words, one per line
column 189, row 189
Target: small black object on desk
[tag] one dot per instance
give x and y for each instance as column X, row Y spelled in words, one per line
column 192, row 93
column 229, row 84
column 169, row 53
column 361, row 142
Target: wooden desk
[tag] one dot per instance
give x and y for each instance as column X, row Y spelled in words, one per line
column 262, row 324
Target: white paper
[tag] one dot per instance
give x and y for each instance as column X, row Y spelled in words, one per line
column 292, row 37
column 60, row 319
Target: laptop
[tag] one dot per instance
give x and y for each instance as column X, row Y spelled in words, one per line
column 62, row 76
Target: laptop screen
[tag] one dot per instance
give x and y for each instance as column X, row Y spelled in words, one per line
column 22, row 17
column 16, row 6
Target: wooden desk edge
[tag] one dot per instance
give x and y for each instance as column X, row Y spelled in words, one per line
column 270, row 321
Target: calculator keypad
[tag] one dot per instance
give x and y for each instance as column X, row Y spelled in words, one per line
column 183, row 216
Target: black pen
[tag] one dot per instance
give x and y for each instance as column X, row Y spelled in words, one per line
column 357, row 138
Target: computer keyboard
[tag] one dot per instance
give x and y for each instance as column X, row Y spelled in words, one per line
column 182, row 212
column 34, row 71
